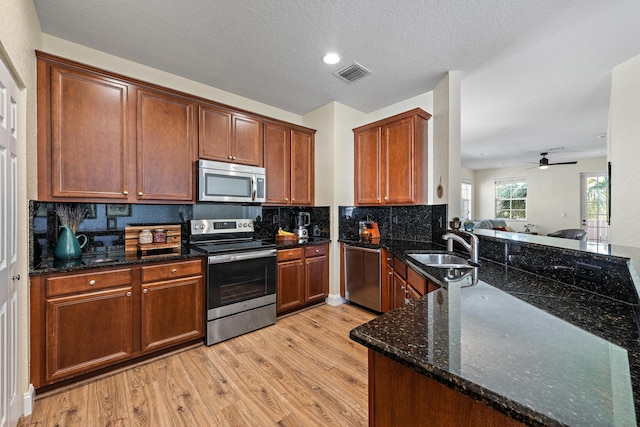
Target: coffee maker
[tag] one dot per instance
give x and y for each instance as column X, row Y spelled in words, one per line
column 303, row 219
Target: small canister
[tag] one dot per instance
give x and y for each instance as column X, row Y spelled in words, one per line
column 145, row 237
column 159, row 236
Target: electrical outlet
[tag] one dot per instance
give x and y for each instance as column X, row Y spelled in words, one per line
column 589, row 272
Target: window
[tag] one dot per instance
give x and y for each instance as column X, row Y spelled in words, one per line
column 465, row 201
column 511, row 199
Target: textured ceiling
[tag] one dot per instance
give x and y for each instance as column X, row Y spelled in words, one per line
column 535, row 73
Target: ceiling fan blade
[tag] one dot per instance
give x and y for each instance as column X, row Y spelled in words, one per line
column 564, row 163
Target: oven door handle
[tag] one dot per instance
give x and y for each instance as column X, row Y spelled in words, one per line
column 219, row 259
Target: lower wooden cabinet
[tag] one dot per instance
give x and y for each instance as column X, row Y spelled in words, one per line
column 403, row 284
column 167, row 305
column 400, row 396
column 85, row 321
column 303, row 277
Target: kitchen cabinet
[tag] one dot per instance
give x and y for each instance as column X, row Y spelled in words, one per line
column 401, row 396
column 102, row 138
column 390, row 160
column 172, row 304
column 90, row 320
column 84, row 148
column 165, row 142
column 303, row 277
column 404, row 284
column 316, row 273
column 289, row 165
column 227, row 136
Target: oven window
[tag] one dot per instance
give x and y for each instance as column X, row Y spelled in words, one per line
column 225, row 185
column 237, row 281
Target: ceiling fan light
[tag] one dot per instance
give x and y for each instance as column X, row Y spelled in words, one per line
column 544, row 166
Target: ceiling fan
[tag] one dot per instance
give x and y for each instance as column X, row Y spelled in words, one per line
column 544, row 162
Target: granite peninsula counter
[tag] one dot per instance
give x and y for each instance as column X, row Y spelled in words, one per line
column 539, row 351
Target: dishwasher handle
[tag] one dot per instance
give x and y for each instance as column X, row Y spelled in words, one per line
column 359, row 248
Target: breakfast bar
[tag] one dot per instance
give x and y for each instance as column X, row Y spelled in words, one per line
column 503, row 346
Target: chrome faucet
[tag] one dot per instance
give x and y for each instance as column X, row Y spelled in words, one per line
column 472, row 247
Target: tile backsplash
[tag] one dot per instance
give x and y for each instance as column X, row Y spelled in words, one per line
column 416, row 223
column 105, row 225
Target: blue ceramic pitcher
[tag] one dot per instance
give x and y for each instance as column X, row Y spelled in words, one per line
column 68, row 246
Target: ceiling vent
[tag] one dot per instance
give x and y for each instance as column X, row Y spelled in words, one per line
column 352, row 72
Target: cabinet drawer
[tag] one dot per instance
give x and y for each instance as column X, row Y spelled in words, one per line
column 173, row 270
column 88, row 281
column 315, row 250
column 289, row 254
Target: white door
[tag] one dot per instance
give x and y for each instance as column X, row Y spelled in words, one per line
column 9, row 279
column 594, row 206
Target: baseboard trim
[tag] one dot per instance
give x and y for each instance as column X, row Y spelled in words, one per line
column 335, row 300
column 29, row 399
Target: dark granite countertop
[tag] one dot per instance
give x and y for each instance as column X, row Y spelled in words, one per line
column 93, row 260
column 114, row 259
column 541, row 351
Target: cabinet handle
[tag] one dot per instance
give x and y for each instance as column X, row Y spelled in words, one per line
column 233, row 158
column 293, row 200
column 386, row 198
column 317, row 251
column 146, row 291
column 92, row 282
column 139, row 193
column 174, row 271
column 128, row 294
column 16, row 277
column 391, row 273
column 125, row 192
column 300, row 264
column 230, row 158
column 286, row 199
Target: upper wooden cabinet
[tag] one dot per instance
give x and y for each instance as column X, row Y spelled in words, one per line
column 289, row 164
column 229, row 137
column 105, row 138
column 84, row 148
column 391, row 160
column 165, row 147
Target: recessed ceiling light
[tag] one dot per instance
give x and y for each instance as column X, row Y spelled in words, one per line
column 331, row 58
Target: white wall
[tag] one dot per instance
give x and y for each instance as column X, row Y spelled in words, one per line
column 624, row 153
column 551, row 193
column 19, row 37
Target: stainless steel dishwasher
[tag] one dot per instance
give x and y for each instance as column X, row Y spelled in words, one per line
column 362, row 276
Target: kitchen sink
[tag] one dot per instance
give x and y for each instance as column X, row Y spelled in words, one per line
column 442, row 260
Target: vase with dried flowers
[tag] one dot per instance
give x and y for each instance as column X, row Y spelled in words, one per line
column 70, row 217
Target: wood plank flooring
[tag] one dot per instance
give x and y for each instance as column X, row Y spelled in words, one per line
column 303, row 371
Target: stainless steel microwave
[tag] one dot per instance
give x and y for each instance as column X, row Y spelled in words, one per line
column 229, row 182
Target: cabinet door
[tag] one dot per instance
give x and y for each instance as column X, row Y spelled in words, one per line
column 290, row 285
column 165, row 147
column 398, row 160
column 247, row 140
column 302, row 168
column 172, row 312
column 399, row 291
column 277, row 163
column 87, row 331
column 368, row 182
column 317, row 278
column 89, row 142
column 214, row 134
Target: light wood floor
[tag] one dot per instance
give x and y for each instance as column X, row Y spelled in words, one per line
column 304, row 371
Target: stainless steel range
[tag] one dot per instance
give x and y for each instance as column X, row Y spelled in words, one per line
column 241, row 277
